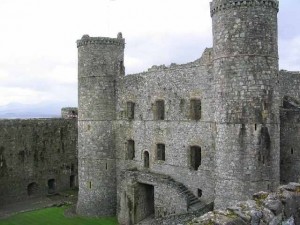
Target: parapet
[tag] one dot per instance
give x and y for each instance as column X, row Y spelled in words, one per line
column 69, row 113
column 220, row 5
column 87, row 40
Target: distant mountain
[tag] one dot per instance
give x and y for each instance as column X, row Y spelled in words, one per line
column 24, row 111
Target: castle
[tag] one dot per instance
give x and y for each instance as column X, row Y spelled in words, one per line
column 174, row 139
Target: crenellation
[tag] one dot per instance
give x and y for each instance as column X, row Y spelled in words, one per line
column 222, row 5
column 87, row 40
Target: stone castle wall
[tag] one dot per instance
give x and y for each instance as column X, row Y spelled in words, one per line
column 246, row 98
column 176, row 86
column 32, row 153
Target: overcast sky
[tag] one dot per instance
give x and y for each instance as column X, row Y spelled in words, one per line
column 38, row 54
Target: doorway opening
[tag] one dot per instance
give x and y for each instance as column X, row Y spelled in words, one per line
column 51, row 186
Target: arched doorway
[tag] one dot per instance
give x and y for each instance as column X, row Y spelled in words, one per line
column 32, row 189
column 146, row 159
column 51, row 186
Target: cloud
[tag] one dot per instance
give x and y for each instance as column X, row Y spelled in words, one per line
column 290, row 53
column 39, row 55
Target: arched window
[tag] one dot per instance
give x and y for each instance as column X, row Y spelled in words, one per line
column 146, row 159
column 195, row 157
column 32, row 189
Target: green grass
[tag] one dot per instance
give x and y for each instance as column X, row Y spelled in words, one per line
column 54, row 216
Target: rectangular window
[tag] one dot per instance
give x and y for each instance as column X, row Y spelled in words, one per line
column 130, row 149
column 195, row 109
column 159, row 110
column 130, row 110
column 195, row 157
column 160, row 152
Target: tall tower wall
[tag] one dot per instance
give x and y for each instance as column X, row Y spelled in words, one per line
column 99, row 64
column 247, row 98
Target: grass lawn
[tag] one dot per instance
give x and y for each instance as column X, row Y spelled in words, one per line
column 54, row 216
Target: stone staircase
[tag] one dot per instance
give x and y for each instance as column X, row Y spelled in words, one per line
column 195, row 207
column 192, row 200
column 194, row 204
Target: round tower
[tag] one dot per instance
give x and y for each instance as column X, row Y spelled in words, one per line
column 100, row 62
column 246, row 98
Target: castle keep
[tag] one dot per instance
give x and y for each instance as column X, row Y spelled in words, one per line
column 174, row 139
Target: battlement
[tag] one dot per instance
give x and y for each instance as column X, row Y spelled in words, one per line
column 87, row 40
column 220, row 5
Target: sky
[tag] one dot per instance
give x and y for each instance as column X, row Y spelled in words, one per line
column 38, row 54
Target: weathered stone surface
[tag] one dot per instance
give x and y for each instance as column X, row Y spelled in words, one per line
column 33, row 152
column 257, row 212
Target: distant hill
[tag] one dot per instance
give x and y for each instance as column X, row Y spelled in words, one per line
column 25, row 111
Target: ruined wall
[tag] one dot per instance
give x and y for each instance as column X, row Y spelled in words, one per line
column 34, row 151
column 176, row 85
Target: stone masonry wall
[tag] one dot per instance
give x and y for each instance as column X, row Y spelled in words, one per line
column 245, row 68
column 176, row 85
column 290, row 145
column 290, row 126
column 289, row 82
column 35, row 151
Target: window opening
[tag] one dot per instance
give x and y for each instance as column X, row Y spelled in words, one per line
column 195, row 109
column 195, row 157
column 160, row 152
column 72, row 181
column 160, row 110
column 199, row 193
column 146, row 159
column 130, row 149
column 130, row 110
